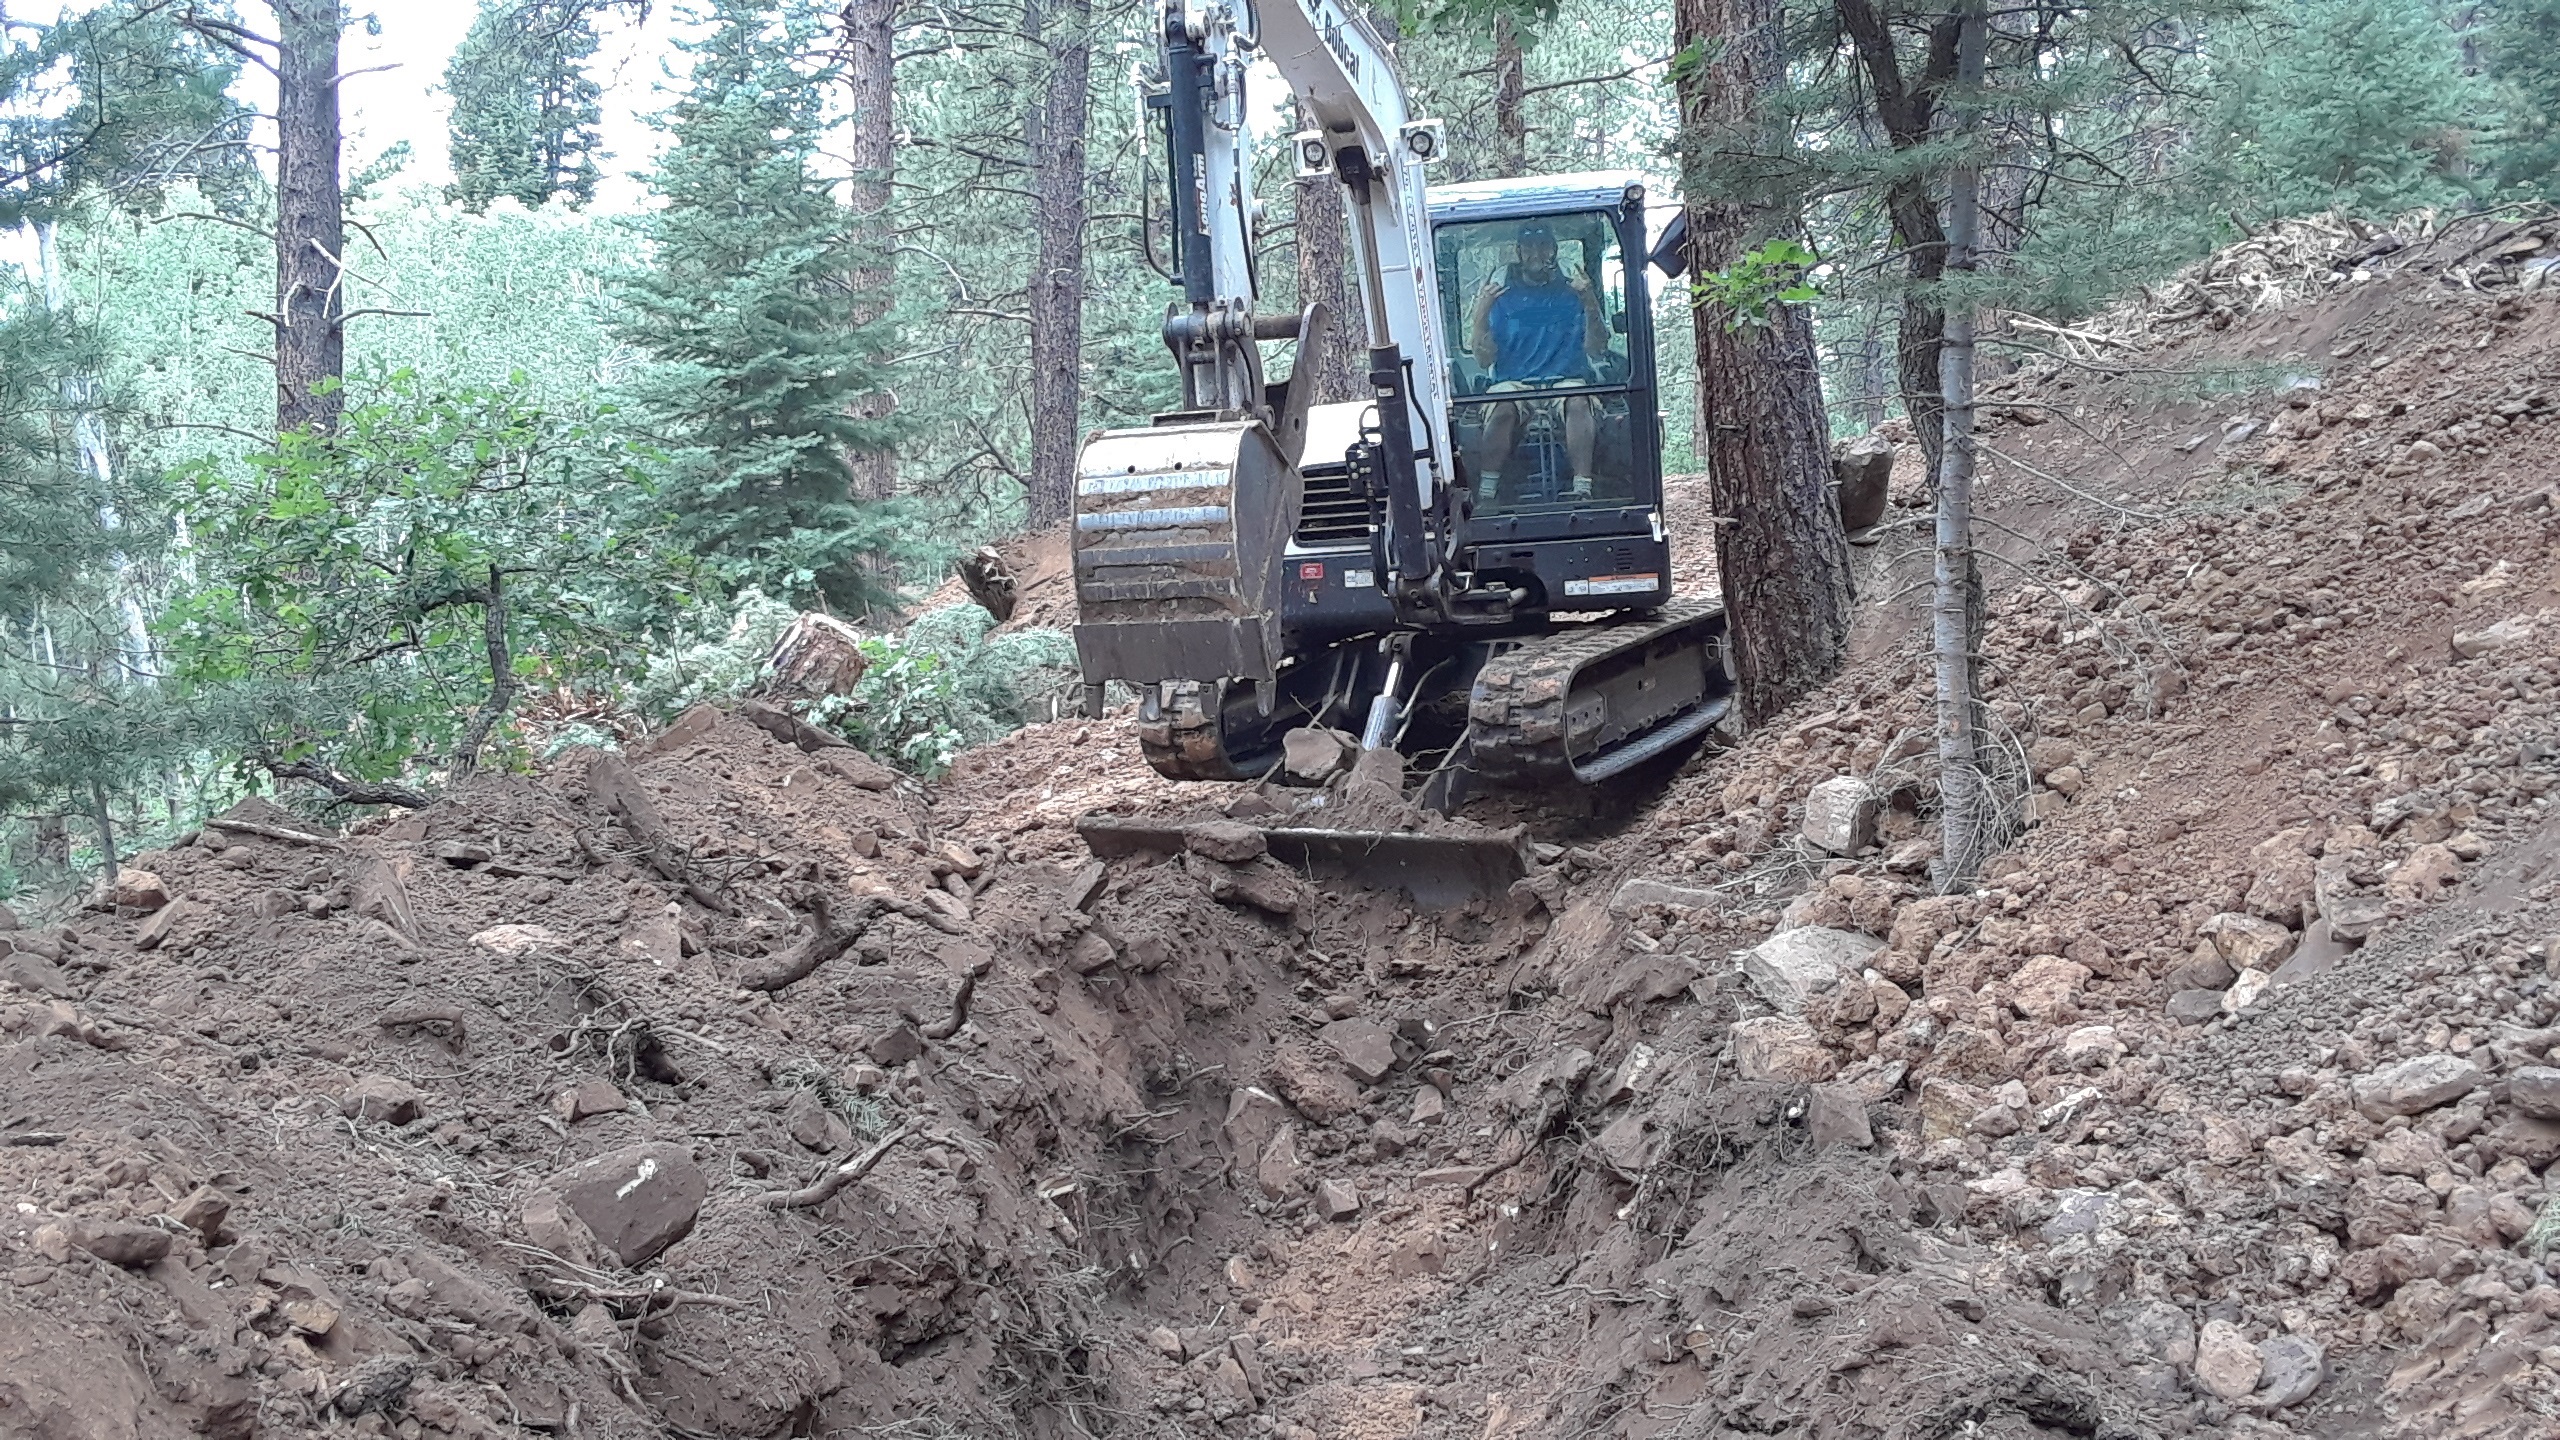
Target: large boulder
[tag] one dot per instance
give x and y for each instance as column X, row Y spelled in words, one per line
column 635, row 1201
column 1863, row 470
column 1792, row 966
column 2414, row 1086
column 1840, row 815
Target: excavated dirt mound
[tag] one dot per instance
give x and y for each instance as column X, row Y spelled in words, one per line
column 727, row 1088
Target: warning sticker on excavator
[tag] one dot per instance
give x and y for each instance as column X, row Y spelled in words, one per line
column 1614, row 584
column 1311, row 570
column 1359, row 579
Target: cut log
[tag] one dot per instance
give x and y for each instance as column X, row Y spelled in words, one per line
column 818, row 655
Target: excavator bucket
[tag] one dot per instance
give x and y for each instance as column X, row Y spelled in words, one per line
column 1440, row 872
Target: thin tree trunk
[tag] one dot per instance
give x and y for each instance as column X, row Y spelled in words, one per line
column 1324, row 229
column 1055, row 131
column 1873, row 378
column 1967, row 820
column 311, row 225
column 1906, row 109
column 870, row 26
column 110, row 865
column 1781, row 552
column 1510, row 117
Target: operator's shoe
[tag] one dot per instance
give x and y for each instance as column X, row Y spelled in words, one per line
column 1581, row 487
column 1487, row 483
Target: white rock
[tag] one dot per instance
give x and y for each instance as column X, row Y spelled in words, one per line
column 1840, row 815
column 2227, row 1365
column 1792, row 966
column 2513, row 630
column 2245, row 991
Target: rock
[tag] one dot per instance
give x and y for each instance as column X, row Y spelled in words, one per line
column 1793, row 965
column 1280, row 1170
column 1265, row 885
column 813, row 1126
column 636, row 1201
column 2472, row 644
column 1367, row 1048
column 2194, row 1007
column 114, row 1241
column 157, row 929
column 1167, row 1342
column 2353, row 917
column 1091, row 954
column 2206, row 969
column 1781, row 1048
column 2428, row 869
column 2290, row 1367
column 2522, row 1137
column 204, row 1211
column 1315, row 755
column 36, row 975
column 2077, row 1214
column 138, row 890
column 455, row 1292
column 1635, row 1075
column 517, row 941
column 1837, row 1115
column 2415, row 1086
column 2045, row 984
column 895, row 1046
column 1320, row 1092
column 1840, row 815
column 1230, row 841
column 1254, row 1115
column 2285, row 892
column 8, row 919
column 2535, row 1090
column 377, row 893
column 2088, row 1049
column 1639, row 892
column 381, row 1098
column 311, row 1314
column 1862, row 468
column 2406, row 1152
column 1428, row 1107
column 2245, row 990
column 657, row 937
column 2066, row 781
column 2050, row 753
column 2226, row 1365
column 549, row 1224
column 2249, row 942
column 590, row 1095
column 1337, row 1200
column 2163, row 1332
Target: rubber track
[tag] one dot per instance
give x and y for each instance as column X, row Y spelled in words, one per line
column 1184, row 741
column 1518, row 707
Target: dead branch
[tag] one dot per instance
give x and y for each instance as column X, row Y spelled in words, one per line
column 924, row 914
column 790, row 729
column 275, row 832
column 611, row 780
column 827, row 938
column 502, row 678
column 949, row 1025
column 346, row 791
column 422, row 1012
column 844, row 1174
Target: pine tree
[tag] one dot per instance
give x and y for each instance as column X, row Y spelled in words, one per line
column 2359, row 104
column 2522, row 55
column 525, row 111
column 744, row 309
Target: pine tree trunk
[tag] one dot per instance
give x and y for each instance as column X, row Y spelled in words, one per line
column 1781, row 552
column 1906, row 109
column 1967, row 820
column 870, row 27
column 311, row 225
column 1510, row 118
column 1055, row 131
column 1324, row 239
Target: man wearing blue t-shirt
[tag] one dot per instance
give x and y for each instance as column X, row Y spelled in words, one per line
column 1534, row 328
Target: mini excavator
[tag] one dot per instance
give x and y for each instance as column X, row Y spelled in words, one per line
column 1467, row 566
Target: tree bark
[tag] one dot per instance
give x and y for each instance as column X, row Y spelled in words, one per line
column 311, row 225
column 1510, row 86
column 1054, row 130
column 1779, row 546
column 1907, row 111
column 870, row 27
column 1324, row 239
column 1967, row 819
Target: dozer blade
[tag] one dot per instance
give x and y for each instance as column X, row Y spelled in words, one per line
column 1440, row 872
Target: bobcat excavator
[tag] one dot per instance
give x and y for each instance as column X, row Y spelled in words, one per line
column 1468, row 566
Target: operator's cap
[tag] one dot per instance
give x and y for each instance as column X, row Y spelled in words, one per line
column 1532, row 234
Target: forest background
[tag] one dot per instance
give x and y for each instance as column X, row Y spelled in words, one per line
column 590, row 427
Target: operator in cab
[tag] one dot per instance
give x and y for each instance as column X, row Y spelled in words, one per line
column 1534, row 327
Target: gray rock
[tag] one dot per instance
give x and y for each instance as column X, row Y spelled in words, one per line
column 1837, row 1115
column 635, row 1201
column 1367, row 1048
column 2194, row 1007
column 1280, row 1171
column 1231, row 841
column 1640, row 892
column 1337, row 1200
column 2535, row 1089
column 1793, row 965
column 1863, row 469
column 2414, row 1086
column 2290, row 1368
column 2079, row 1213
column 2163, row 1332
column 1315, row 755
column 2205, row 970
column 384, row 1098
column 1840, row 815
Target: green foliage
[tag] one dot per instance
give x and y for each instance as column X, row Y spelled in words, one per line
column 1778, row 272
column 948, row 684
column 525, row 112
column 745, row 311
column 121, row 99
column 2359, row 105
column 342, row 578
column 714, row 653
column 2520, row 52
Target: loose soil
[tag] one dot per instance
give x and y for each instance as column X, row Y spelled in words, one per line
column 473, row 1122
